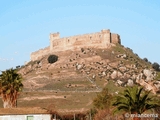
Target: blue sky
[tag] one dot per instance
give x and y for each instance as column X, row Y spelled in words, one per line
column 25, row 25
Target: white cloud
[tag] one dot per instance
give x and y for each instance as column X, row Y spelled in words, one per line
column 15, row 52
column 6, row 59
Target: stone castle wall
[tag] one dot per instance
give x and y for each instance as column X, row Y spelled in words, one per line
column 97, row 40
column 115, row 38
column 39, row 54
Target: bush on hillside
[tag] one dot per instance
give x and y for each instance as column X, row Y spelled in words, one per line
column 18, row 66
column 145, row 59
column 103, row 99
column 82, row 49
column 155, row 66
column 52, row 59
column 136, row 54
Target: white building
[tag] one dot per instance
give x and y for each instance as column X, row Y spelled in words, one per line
column 24, row 114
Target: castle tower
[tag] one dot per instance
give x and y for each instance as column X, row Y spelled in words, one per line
column 115, row 38
column 53, row 36
column 106, row 37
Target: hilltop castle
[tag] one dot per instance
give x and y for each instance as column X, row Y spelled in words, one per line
column 97, row 40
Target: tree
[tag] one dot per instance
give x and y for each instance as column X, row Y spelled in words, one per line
column 135, row 100
column 155, row 66
column 52, row 59
column 103, row 99
column 10, row 86
column 145, row 59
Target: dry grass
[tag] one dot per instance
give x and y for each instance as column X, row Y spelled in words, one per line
column 26, row 110
column 56, row 100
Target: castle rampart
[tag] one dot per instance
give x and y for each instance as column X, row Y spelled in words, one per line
column 97, row 40
column 39, row 54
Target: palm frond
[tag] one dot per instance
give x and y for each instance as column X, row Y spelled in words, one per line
column 135, row 99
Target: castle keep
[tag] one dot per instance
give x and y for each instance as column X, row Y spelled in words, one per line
column 97, row 40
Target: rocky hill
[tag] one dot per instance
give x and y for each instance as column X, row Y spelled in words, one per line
column 71, row 82
column 89, row 69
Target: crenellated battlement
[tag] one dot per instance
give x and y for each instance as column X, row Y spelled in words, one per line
column 97, row 40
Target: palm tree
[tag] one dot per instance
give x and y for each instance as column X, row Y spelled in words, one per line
column 135, row 100
column 10, row 86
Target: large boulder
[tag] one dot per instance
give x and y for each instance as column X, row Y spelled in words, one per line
column 126, row 75
column 147, row 86
column 116, row 74
column 139, row 77
column 130, row 82
column 122, row 69
column 118, row 83
column 133, row 77
column 124, row 56
column 79, row 66
column 149, row 75
column 157, row 84
column 103, row 73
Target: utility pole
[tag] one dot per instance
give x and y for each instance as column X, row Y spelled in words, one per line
column 55, row 116
column 90, row 116
column 74, row 116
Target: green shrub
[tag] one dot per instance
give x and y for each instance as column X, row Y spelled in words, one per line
column 145, row 59
column 82, row 49
column 155, row 66
column 103, row 99
column 52, row 59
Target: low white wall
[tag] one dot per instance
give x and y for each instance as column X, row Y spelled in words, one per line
column 24, row 117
